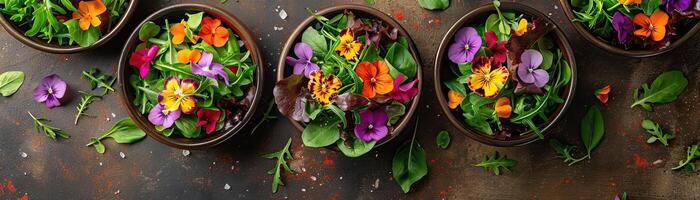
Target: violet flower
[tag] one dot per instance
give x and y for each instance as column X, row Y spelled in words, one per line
column 680, row 5
column 623, row 25
column 303, row 64
column 206, row 67
column 50, row 90
column 467, row 43
column 405, row 92
column 142, row 58
column 529, row 68
column 161, row 116
column 372, row 125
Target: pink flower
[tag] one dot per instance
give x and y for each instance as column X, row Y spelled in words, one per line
column 141, row 59
column 208, row 118
column 405, row 92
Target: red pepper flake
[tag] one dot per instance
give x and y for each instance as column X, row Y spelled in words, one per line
column 10, row 186
column 640, row 162
column 442, row 194
column 437, row 23
column 602, row 94
column 25, row 197
column 398, row 15
column 328, row 162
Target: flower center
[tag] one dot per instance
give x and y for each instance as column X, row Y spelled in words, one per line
column 348, row 45
column 530, row 70
column 373, row 80
column 205, row 68
column 178, row 92
column 466, row 47
column 165, row 111
column 487, row 78
column 370, row 126
column 50, row 91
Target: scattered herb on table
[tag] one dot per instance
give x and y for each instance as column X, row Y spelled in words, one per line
column 281, row 156
column 98, row 80
column 602, row 94
column 434, row 4
column 50, row 90
column 592, row 129
column 41, row 126
column 623, row 197
column 656, row 134
column 266, row 116
column 86, row 98
column 443, row 139
column 565, row 151
column 370, row 2
column 409, row 164
column 692, row 154
column 123, row 132
column 10, row 81
column 496, row 163
column 664, row 89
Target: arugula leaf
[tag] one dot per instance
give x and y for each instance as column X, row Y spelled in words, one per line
column 592, row 129
column 693, row 153
column 98, row 80
column 443, row 139
column 85, row 100
column 409, row 164
column 496, row 162
column 124, row 131
column 10, row 82
column 665, row 88
column 41, row 126
column 565, row 151
column 321, row 132
column 656, row 133
column 434, row 4
column 281, row 156
column 314, row 39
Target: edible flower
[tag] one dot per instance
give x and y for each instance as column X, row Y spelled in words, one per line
column 522, row 27
column 50, row 91
column 89, row 13
column 602, row 94
column 454, row 99
column 323, row 88
column 213, row 33
column 178, row 31
column 654, row 25
column 348, row 46
column 498, row 49
column 623, row 25
column 185, row 56
column 488, row 77
column 178, row 95
column 467, row 43
column 164, row 117
column 375, row 78
column 529, row 70
column 206, row 67
column 403, row 93
column 303, row 64
column 680, row 5
column 208, row 118
column 628, row 2
column 142, row 58
column 503, row 108
column 372, row 125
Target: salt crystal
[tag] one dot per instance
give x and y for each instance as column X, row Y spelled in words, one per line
column 100, row 163
column 24, row 155
column 185, row 152
column 117, row 192
column 213, row 163
column 303, row 189
column 659, row 161
column 376, row 184
column 233, row 167
column 313, row 178
column 303, row 169
column 341, row 178
column 107, row 119
column 122, row 154
column 227, row 187
column 283, row 14
column 556, row 7
column 25, row 173
column 114, row 115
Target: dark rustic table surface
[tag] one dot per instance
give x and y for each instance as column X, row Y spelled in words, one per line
column 66, row 169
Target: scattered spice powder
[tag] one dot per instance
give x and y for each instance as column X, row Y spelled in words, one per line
column 398, row 15
column 328, row 162
column 640, row 162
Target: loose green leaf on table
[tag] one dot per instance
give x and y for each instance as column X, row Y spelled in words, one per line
column 565, row 151
column 443, row 139
column 434, row 4
column 10, row 82
column 370, row 2
column 656, row 134
column 123, row 132
column 98, row 80
column 664, row 89
column 496, row 163
column 592, row 129
column 41, row 126
column 409, row 164
column 281, row 156
column 693, row 153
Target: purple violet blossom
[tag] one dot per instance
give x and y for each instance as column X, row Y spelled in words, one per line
column 161, row 116
column 467, row 43
column 303, row 64
column 372, row 125
column 623, row 25
column 206, row 67
column 680, row 5
column 529, row 70
column 405, row 92
column 50, row 90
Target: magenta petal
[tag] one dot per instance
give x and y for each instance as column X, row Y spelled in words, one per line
column 379, row 132
column 408, row 86
column 380, row 117
column 144, row 69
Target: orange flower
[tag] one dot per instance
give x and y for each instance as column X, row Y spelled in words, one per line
column 454, row 99
column 186, row 56
column 522, row 27
column 628, row 2
column 323, row 88
column 602, row 94
column 89, row 13
column 503, row 108
column 348, row 46
column 213, row 33
column 654, row 25
column 488, row 77
column 375, row 78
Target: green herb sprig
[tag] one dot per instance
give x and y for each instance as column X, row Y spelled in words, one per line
column 565, row 151
column 124, row 131
column 656, row 133
column 496, row 163
column 692, row 154
column 281, row 156
column 443, row 139
column 41, row 126
column 86, row 98
column 409, row 164
column 98, row 80
column 665, row 88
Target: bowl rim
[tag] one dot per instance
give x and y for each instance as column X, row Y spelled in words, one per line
column 583, row 31
column 356, row 8
column 41, row 45
column 212, row 140
column 477, row 135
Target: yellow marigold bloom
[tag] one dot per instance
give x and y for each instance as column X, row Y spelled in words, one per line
column 348, row 47
column 178, row 95
column 522, row 27
column 89, row 13
column 323, row 89
column 487, row 77
column 454, row 99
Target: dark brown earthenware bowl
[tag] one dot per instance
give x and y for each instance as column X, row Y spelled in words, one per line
column 361, row 11
column 42, row 45
column 127, row 92
column 583, row 31
column 479, row 15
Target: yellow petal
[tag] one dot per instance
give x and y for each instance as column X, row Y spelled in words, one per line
column 522, row 27
column 475, row 82
column 490, row 90
column 187, row 104
column 499, row 77
column 171, row 85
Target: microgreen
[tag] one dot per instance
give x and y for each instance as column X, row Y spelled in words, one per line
column 86, row 98
column 496, row 163
column 409, row 164
column 665, row 88
column 124, row 131
column 281, row 158
column 10, row 82
column 565, row 151
column 692, row 154
column 443, row 139
column 656, row 134
column 41, row 126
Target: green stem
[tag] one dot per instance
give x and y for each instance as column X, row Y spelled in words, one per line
column 579, row 159
column 613, row 7
column 158, row 41
column 103, row 84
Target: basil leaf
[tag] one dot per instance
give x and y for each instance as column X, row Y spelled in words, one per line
column 99, row 147
column 84, row 38
column 358, row 147
column 321, row 132
column 443, row 139
column 314, row 39
column 10, row 82
column 148, row 30
column 664, row 89
column 434, row 4
column 592, row 128
column 409, row 165
column 402, row 59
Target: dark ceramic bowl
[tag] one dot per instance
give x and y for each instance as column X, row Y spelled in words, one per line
column 361, row 11
column 479, row 15
column 583, row 31
column 42, row 45
column 127, row 93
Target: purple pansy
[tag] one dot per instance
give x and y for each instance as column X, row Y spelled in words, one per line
column 680, row 5
column 161, row 116
column 206, row 67
column 467, row 43
column 142, row 58
column 372, row 125
column 50, row 90
column 529, row 70
column 623, row 25
column 405, row 92
column 303, row 64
